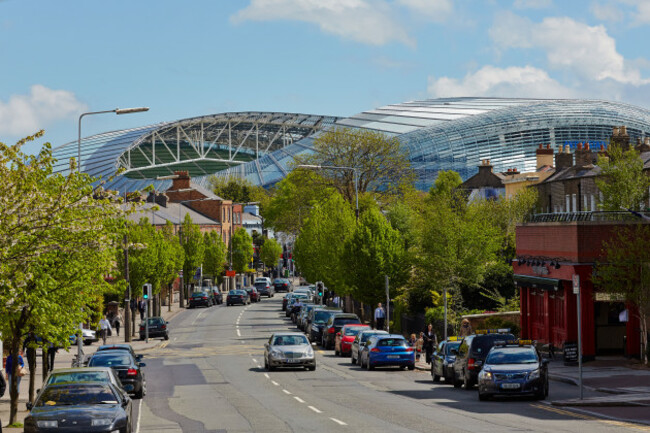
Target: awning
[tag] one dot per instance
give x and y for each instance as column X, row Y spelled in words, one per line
column 537, row 282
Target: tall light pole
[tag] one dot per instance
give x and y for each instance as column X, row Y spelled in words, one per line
column 116, row 111
column 338, row 167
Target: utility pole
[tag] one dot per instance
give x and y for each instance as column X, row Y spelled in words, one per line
column 387, row 306
column 127, row 301
column 181, row 297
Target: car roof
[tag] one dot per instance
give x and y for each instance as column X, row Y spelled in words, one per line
column 79, row 369
column 350, row 315
column 282, row 334
column 117, row 346
column 375, row 331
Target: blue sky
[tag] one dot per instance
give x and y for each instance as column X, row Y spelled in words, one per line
column 337, row 57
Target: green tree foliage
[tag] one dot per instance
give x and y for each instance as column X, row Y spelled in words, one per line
column 194, row 247
column 373, row 251
column 625, row 272
column 239, row 190
column 318, row 249
column 143, row 255
column 270, row 252
column 214, row 255
column 622, row 180
column 57, row 243
column 242, row 250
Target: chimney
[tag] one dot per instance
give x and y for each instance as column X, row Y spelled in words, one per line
column 160, row 199
column 584, row 155
column 544, row 156
column 485, row 167
column 563, row 159
column 182, row 181
column 643, row 146
column 620, row 138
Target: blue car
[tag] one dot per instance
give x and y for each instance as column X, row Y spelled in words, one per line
column 387, row 350
column 442, row 360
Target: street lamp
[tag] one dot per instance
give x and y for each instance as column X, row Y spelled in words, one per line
column 335, row 167
column 116, row 111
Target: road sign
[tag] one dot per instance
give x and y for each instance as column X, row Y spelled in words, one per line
column 576, row 284
column 230, row 273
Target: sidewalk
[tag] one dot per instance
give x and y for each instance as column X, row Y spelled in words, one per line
column 64, row 360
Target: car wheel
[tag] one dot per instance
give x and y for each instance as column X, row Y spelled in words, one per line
column 336, row 352
column 142, row 338
column 467, row 384
column 227, row 305
column 411, row 367
column 166, row 337
column 457, row 383
column 435, row 377
column 483, row 397
column 352, row 360
column 312, row 368
column 138, row 395
column 369, row 366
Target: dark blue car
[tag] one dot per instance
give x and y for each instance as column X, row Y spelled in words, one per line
column 442, row 360
column 387, row 350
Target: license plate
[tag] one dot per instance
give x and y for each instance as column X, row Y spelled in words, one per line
column 510, row 385
column 293, row 361
column 392, row 356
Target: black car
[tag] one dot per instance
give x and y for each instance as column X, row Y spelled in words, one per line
column 157, row 328
column 282, row 285
column 318, row 318
column 200, row 299
column 84, row 407
column 237, row 297
column 215, row 293
column 121, row 346
column 264, row 289
column 442, row 360
column 127, row 368
column 512, row 369
column 334, row 325
column 472, row 352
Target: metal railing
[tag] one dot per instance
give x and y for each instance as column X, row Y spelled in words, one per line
column 595, row 216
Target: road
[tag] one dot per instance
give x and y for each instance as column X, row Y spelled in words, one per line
column 209, row 377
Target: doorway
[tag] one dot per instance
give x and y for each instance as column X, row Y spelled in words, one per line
column 610, row 330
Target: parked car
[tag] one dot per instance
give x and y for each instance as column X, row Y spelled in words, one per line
column 157, row 328
column 237, row 297
column 127, row 368
column 88, row 337
column 306, row 291
column 513, row 369
column 198, row 299
column 217, row 297
column 289, row 349
column 282, row 285
column 253, row 294
column 442, row 360
column 472, row 352
column 334, row 325
column 387, row 350
column 345, row 337
column 263, row 279
column 265, row 289
column 317, row 321
column 121, row 346
column 84, row 374
column 302, row 321
column 294, row 298
column 79, row 407
column 285, row 301
column 359, row 341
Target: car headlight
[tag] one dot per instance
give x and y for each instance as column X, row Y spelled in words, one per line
column 486, row 375
column 47, row 424
column 309, row 353
column 101, row 422
column 276, row 353
column 533, row 374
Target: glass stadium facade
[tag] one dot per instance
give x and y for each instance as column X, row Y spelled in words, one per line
column 438, row 134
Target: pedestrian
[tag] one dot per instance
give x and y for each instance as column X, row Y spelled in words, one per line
column 20, row 371
column 104, row 328
column 418, row 347
column 142, row 307
column 429, row 342
column 3, row 388
column 116, row 323
column 51, row 353
column 380, row 317
column 465, row 328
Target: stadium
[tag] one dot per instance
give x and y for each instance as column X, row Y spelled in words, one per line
column 437, row 134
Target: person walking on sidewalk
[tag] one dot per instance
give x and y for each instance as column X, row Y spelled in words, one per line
column 142, row 307
column 51, row 353
column 430, row 341
column 380, row 317
column 116, row 323
column 19, row 371
column 104, row 328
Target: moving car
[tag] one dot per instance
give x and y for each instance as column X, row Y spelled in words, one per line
column 442, row 360
column 237, row 297
column 289, row 349
column 253, row 294
column 317, row 320
column 282, row 285
column 334, row 325
column 512, row 369
column 387, row 350
column 294, row 298
column 83, row 407
column 157, row 328
column 359, row 341
column 198, row 299
column 345, row 337
column 127, row 368
column 265, row 288
column 472, row 352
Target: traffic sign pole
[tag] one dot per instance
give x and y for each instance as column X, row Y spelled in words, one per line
column 576, row 291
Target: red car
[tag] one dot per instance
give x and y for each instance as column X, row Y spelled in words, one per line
column 345, row 337
column 253, row 294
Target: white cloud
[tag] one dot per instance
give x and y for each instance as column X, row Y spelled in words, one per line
column 360, row 20
column 642, row 15
column 513, row 81
column 25, row 114
column 533, row 4
column 434, row 10
column 587, row 51
column 607, row 12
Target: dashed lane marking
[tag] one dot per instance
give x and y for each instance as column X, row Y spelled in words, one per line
column 314, row 409
column 163, row 345
column 238, row 333
column 267, row 375
column 275, row 383
column 298, row 399
column 338, row 421
column 137, row 423
column 286, row 392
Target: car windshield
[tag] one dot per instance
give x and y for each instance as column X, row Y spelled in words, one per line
column 452, row 345
column 110, row 360
column 366, row 335
column 75, row 394
column 290, row 340
column 340, row 321
column 483, row 343
column 393, row 342
column 237, row 292
column 155, row 321
column 261, row 284
column 198, row 295
column 79, row 376
column 522, row 355
column 352, row 331
column 321, row 316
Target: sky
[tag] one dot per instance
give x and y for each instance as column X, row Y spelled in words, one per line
column 331, row 57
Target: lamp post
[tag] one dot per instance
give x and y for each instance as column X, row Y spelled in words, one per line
column 116, row 111
column 338, row 167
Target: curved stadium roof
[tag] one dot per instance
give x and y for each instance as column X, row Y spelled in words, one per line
column 438, row 134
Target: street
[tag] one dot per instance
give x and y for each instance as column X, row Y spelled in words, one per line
column 209, row 377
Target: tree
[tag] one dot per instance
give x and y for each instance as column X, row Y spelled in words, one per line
column 192, row 241
column 622, row 181
column 625, row 272
column 242, row 250
column 381, row 163
column 57, row 242
column 215, row 254
column 270, row 252
column 375, row 250
column 239, row 190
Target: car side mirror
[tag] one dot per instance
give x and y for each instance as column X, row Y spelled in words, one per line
column 138, row 357
column 30, row 405
column 141, row 364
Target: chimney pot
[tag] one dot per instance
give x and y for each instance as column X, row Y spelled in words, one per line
column 615, row 131
column 623, row 130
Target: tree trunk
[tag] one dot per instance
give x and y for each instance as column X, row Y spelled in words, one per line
column 31, row 360
column 13, row 389
column 44, row 363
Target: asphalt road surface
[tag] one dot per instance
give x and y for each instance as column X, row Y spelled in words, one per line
column 209, row 377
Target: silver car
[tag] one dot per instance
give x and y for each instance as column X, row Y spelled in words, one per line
column 289, row 349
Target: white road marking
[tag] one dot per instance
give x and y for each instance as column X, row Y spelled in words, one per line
column 339, row 422
column 314, row 409
column 255, row 361
column 137, row 423
column 299, row 400
column 286, row 392
column 275, row 383
column 238, row 333
column 267, row 375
